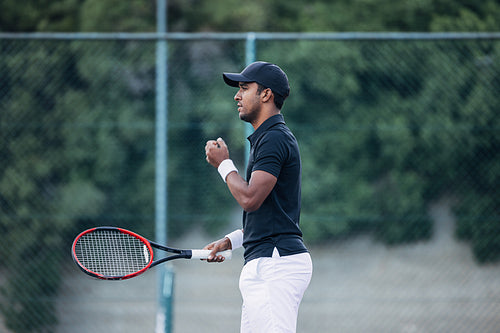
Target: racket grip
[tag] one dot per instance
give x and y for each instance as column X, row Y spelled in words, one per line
column 203, row 254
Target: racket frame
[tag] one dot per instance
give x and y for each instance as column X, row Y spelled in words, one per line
column 177, row 253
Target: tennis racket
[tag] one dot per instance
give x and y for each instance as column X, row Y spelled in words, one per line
column 111, row 253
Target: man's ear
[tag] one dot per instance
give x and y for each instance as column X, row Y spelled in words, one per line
column 266, row 95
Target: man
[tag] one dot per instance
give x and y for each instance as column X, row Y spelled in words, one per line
column 278, row 267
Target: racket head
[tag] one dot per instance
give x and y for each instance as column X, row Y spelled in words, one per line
column 111, row 253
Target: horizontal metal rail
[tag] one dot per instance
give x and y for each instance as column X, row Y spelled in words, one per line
column 258, row 35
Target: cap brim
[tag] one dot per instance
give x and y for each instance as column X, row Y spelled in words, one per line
column 233, row 79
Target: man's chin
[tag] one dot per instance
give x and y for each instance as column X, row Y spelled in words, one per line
column 247, row 117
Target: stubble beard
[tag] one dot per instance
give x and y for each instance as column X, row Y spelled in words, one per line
column 250, row 116
column 246, row 118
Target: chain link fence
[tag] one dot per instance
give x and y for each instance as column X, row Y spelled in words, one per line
column 400, row 148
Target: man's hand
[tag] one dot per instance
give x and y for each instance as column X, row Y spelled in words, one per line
column 216, row 152
column 218, row 246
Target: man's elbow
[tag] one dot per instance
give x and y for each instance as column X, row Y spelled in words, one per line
column 249, row 205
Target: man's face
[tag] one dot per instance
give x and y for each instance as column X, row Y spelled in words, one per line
column 248, row 99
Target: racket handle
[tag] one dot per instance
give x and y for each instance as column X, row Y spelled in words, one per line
column 203, row 254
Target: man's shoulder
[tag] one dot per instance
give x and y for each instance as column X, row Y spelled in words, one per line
column 276, row 134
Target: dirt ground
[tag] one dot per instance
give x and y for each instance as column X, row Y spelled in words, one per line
column 357, row 286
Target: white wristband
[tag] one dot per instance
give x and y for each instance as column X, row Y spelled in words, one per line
column 236, row 238
column 225, row 168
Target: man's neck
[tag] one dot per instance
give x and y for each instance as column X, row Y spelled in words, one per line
column 263, row 117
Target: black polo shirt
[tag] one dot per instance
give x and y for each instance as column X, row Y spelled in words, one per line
column 274, row 149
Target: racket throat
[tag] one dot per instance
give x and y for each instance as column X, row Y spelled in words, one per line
column 184, row 254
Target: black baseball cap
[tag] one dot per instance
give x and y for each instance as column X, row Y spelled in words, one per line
column 267, row 74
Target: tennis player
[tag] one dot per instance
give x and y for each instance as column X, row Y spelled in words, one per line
column 278, row 267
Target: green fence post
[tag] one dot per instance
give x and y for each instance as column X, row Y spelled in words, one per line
column 166, row 295
column 249, row 58
column 165, row 280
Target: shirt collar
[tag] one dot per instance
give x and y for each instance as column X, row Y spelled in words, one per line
column 267, row 124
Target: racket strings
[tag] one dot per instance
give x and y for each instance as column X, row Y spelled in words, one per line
column 112, row 253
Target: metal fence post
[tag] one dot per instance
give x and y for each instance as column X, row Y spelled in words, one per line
column 249, row 58
column 165, row 273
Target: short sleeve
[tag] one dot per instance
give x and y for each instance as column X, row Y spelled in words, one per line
column 271, row 153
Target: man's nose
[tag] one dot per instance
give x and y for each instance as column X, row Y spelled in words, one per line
column 237, row 96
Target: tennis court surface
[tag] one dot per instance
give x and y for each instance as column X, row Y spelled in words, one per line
column 357, row 286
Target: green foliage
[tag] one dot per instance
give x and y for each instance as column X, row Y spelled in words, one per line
column 39, row 15
column 29, row 184
column 117, row 16
column 400, row 204
column 478, row 223
column 326, row 15
column 35, row 280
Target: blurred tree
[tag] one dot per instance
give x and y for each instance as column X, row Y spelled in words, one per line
column 30, row 180
column 39, row 15
column 476, row 154
column 118, row 16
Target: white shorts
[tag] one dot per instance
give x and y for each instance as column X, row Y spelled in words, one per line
column 272, row 289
